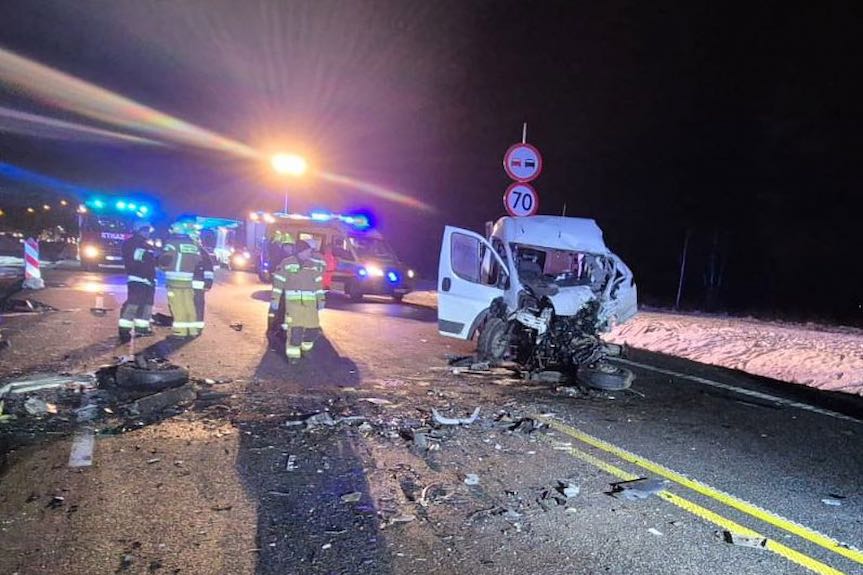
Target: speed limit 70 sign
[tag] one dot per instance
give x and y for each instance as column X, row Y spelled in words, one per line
column 521, row 200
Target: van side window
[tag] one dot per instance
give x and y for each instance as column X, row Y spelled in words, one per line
column 340, row 249
column 474, row 262
column 465, row 257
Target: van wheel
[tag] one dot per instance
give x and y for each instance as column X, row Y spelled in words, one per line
column 355, row 291
column 398, row 297
column 605, row 376
column 493, row 341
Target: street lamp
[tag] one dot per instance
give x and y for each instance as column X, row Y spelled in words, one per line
column 290, row 165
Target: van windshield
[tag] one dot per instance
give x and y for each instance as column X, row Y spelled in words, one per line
column 372, row 248
column 563, row 268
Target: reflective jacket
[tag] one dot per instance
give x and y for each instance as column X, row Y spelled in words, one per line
column 139, row 258
column 301, row 282
column 181, row 258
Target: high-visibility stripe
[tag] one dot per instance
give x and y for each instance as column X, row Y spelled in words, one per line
column 277, row 290
column 139, row 279
column 292, row 268
column 197, row 284
column 208, row 275
column 293, row 352
column 183, row 324
column 142, row 323
column 197, row 324
column 125, row 323
column 175, row 275
column 138, row 255
column 307, row 346
column 278, row 277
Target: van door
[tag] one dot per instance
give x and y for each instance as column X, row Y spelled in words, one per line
column 466, row 286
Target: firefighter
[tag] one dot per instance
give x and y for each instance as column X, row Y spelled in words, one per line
column 202, row 282
column 181, row 258
column 285, row 249
column 139, row 259
column 304, row 297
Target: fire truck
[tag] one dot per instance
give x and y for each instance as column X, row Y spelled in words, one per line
column 103, row 226
column 359, row 260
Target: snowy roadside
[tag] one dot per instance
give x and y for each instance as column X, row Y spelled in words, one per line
column 828, row 358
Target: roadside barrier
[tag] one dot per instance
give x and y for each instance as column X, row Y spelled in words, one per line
column 32, row 273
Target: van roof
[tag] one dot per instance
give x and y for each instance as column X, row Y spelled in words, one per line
column 556, row 232
column 309, row 224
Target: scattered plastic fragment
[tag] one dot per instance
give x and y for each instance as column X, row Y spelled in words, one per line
column 441, row 420
column 352, row 497
column 638, row 488
column 471, row 479
column 744, row 540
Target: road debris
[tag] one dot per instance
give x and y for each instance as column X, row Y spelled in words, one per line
column 441, row 420
column 291, row 465
column 637, row 489
column 377, row 401
column 567, row 489
column 237, row 326
column 471, row 479
column 832, row 501
column 158, row 402
column 352, row 497
column 744, row 540
column 39, row 407
column 42, row 381
column 655, row 531
column 56, row 502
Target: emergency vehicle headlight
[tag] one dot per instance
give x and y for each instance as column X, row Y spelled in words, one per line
column 90, row 252
column 239, row 260
column 411, row 274
column 362, row 272
column 375, row 271
column 269, row 219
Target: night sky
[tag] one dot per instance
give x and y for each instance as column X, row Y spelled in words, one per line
column 737, row 126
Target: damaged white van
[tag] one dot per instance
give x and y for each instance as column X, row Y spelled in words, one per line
column 538, row 291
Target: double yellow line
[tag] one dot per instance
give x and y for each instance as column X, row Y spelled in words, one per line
column 726, row 499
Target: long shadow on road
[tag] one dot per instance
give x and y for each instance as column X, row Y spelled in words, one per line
column 315, row 511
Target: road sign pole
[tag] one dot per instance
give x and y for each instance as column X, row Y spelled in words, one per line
column 524, row 133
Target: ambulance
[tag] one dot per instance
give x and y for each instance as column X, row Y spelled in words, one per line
column 359, row 261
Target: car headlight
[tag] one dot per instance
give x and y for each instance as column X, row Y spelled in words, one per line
column 375, row 271
column 240, row 260
column 90, row 252
column 411, row 274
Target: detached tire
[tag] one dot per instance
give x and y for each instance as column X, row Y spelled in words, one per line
column 606, row 376
column 130, row 376
column 493, row 341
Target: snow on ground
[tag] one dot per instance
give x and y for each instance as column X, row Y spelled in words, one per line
column 829, row 358
column 422, row 298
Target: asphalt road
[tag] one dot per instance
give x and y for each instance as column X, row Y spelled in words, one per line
column 232, row 487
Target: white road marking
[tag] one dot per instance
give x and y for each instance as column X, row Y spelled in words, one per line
column 82, row 448
column 742, row 391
